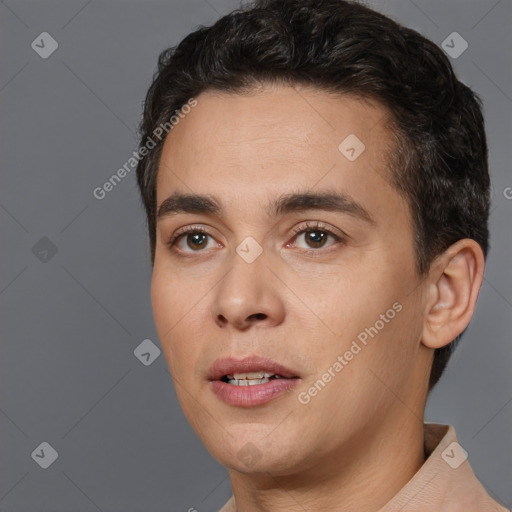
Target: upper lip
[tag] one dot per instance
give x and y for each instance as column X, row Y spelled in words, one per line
column 231, row 365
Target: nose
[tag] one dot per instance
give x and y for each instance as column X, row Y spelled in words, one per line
column 247, row 296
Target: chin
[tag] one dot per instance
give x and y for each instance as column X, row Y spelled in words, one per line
column 257, row 454
column 266, row 465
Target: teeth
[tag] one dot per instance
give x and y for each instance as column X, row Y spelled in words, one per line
column 250, row 378
column 251, row 375
column 247, row 382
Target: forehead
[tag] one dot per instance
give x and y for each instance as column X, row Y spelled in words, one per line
column 278, row 138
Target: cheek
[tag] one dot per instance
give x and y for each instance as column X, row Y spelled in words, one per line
column 371, row 315
column 171, row 297
column 387, row 357
column 351, row 302
column 177, row 311
column 168, row 308
column 163, row 303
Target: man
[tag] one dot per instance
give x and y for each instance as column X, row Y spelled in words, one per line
column 317, row 192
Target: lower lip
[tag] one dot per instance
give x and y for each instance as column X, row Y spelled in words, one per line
column 250, row 396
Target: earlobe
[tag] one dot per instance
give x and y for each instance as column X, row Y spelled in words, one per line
column 455, row 281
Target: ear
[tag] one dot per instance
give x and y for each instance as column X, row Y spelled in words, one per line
column 455, row 280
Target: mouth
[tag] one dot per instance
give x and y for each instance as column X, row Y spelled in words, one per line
column 249, row 371
column 251, row 381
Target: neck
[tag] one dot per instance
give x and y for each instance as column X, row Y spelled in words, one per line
column 363, row 474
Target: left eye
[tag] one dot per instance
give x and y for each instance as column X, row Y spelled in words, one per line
column 315, row 238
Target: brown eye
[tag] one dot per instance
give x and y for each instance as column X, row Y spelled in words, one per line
column 196, row 240
column 316, row 238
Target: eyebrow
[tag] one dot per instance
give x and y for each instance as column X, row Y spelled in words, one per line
column 288, row 203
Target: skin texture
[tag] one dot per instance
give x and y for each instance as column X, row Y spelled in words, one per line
column 360, row 439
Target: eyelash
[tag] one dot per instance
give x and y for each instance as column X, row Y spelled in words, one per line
column 311, row 226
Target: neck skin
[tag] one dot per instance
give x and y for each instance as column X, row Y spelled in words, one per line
column 377, row 464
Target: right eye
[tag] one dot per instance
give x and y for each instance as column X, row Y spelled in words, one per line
column 194, row 237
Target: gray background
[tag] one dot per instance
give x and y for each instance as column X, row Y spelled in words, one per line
column 70, row 321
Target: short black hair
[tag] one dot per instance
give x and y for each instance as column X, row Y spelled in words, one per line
column 439, row 162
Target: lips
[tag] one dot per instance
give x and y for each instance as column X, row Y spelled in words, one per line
column 230, row 366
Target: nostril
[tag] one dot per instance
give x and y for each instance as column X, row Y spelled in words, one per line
column 221, row 320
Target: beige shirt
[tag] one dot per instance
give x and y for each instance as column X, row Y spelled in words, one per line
column 445, row 482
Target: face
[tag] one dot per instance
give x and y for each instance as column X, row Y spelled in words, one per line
column 306, row 260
